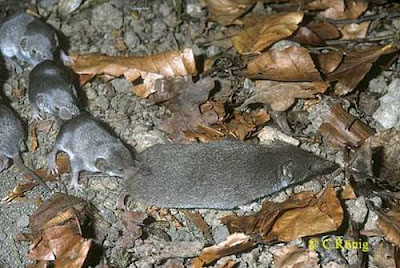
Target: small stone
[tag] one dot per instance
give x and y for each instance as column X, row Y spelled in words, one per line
column 220, row 233
column 131, row 39
column 110, row 183
column 91, row 94
column 388, row 114
column 357, row 209
column 107, row 18
column 102, row 102
column 23, row 221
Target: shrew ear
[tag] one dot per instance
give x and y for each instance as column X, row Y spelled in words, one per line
column 24, row 43
column 101, row 164
column 42, row 102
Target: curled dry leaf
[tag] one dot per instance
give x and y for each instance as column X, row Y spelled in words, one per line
column 261, row 32
column 240, row 126
column 225, row 12
column 316, row 32
column 18, row 192
column 293, row 256
column 303, row 214
column 354, row 30
column 355, row 66
column 339, row 9
column 131, row 229
column 386, row 146
column 185, row 107
column 56, row 226
column 233, row 244
column 389, row 224
column 167, row 64
column 292, row 64
column 200, row 223
column 280, row 95
column 63, row 167
column 384, row 255
column 34, row 139
column 328, row 62
column 342, row 129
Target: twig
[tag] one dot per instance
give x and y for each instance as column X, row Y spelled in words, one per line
column 366, row 18
column 361, row 40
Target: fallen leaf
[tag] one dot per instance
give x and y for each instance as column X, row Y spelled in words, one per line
column 339, row 9
column 355, row 66
column 303, row 214
column 261, row 32
column 293, row 256
column 185, row 107
column 315, row 33
column 342, row 129
column 386, row 148
column 280, row 95
column 384, row 255
column 18, row 192
column 347, row 192
column 328, row 62
column 225, row 12
column 354, row 30
column 389, row 224
column 235, row 243
column 292, row 64
column 34, row 139
column 240, row 126
column 63, row 167
column 200, row 223
column 228, row 264
column 131, row 228
column 167, row 64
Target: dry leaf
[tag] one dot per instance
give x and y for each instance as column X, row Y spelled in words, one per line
column 225, row 12
column 34, row 139
column 200, row 223
column 292, row 64
column 293, row 256
column 389, row 224
column 324, row 214
column 384, row 255
column 303, row 214
column 281, row 95
column 261, row 223
column 355, row 66
column 261, row 32
column 63, row 167
column 386, row 146
column 342, row 129
column 131, row 228
column 241, row 126
column 18, row 192
column 347, row 192
column 354, row 30
column 328, row 62
column 339, row 9
column 185, row 107
column 233, row 244
column 315, row 33
column 167, row 64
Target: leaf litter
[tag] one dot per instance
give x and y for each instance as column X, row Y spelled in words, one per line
column 284, row 79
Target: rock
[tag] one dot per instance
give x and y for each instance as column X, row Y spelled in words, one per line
column 107, row 18
column 388, row 114
column 357, row 209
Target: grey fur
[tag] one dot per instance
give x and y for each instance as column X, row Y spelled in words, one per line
column 12, row 137
column 27, row 38
column 90, row 147
column 219, row 175
column 51, row 90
